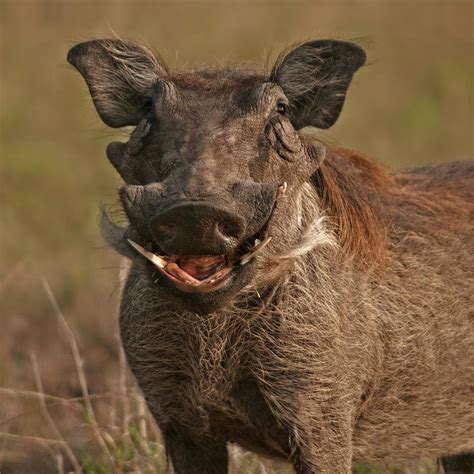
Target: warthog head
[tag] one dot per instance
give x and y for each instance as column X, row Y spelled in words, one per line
column 217, row 160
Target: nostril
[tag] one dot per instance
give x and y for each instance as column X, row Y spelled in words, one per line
column 166, row 230
column 195, row 228
column 225, row 230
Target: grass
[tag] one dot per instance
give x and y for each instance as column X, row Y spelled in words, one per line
column 411, row 105
column 126, row 440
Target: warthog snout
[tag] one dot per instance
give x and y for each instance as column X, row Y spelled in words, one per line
column 197, row 228
column 200, row 244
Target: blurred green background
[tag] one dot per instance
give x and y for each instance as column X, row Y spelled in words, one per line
column 412, row 104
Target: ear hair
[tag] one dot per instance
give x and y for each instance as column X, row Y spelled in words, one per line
column 120, row 76
column 315, row 77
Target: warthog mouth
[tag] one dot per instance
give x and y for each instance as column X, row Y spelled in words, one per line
column 201, row 273
column 207, row 273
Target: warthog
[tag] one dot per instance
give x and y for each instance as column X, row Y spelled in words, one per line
column 282, row 294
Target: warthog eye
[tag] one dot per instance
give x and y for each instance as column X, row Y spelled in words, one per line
column 282, row 108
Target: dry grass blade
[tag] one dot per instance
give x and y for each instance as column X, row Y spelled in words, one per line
column 142, row 414
column 80, row 371
column 51, row 445
column 14, row 392
column 31, row 439
column 123, row 390
column 59, row 401
column 4, row 442
column 30, row 393
column 60, row 463
column 49, row 419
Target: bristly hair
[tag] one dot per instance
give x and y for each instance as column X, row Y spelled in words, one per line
column 352, row 189
column 301, row 77
column 315, row 77
column 120, row 76
column 138, row 65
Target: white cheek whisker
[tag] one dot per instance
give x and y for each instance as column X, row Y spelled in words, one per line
column 315, row 235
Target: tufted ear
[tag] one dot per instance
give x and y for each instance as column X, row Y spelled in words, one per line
column 315, row 77
column 120, row 76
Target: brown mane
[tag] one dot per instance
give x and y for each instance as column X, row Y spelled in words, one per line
column 352, row 190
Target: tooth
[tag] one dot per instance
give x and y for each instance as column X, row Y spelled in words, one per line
column 155, row 259
column 282, row 188
column 261, row 245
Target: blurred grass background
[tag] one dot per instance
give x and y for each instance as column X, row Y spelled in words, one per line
column 412, row 104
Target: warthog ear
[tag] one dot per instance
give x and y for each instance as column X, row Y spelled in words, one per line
column 120, row 76
column 315, row 77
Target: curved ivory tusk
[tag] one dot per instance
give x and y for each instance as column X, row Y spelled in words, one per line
column 155, row 259
column 282, row 189
column 258, row 248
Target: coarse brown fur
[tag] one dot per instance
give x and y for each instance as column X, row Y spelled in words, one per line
column 351, row 187
column 351, row 339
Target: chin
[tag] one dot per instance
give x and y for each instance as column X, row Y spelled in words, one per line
column 183, row 298
column 203, row 303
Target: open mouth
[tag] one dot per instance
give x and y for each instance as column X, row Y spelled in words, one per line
column 206, row 273
column 199, row 273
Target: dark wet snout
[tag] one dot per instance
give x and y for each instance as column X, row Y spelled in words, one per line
column 197, row 228
column 182, row 226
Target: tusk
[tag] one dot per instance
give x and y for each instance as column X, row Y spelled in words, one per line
column 155, row 259
column 258, row 248
column 282, row 189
